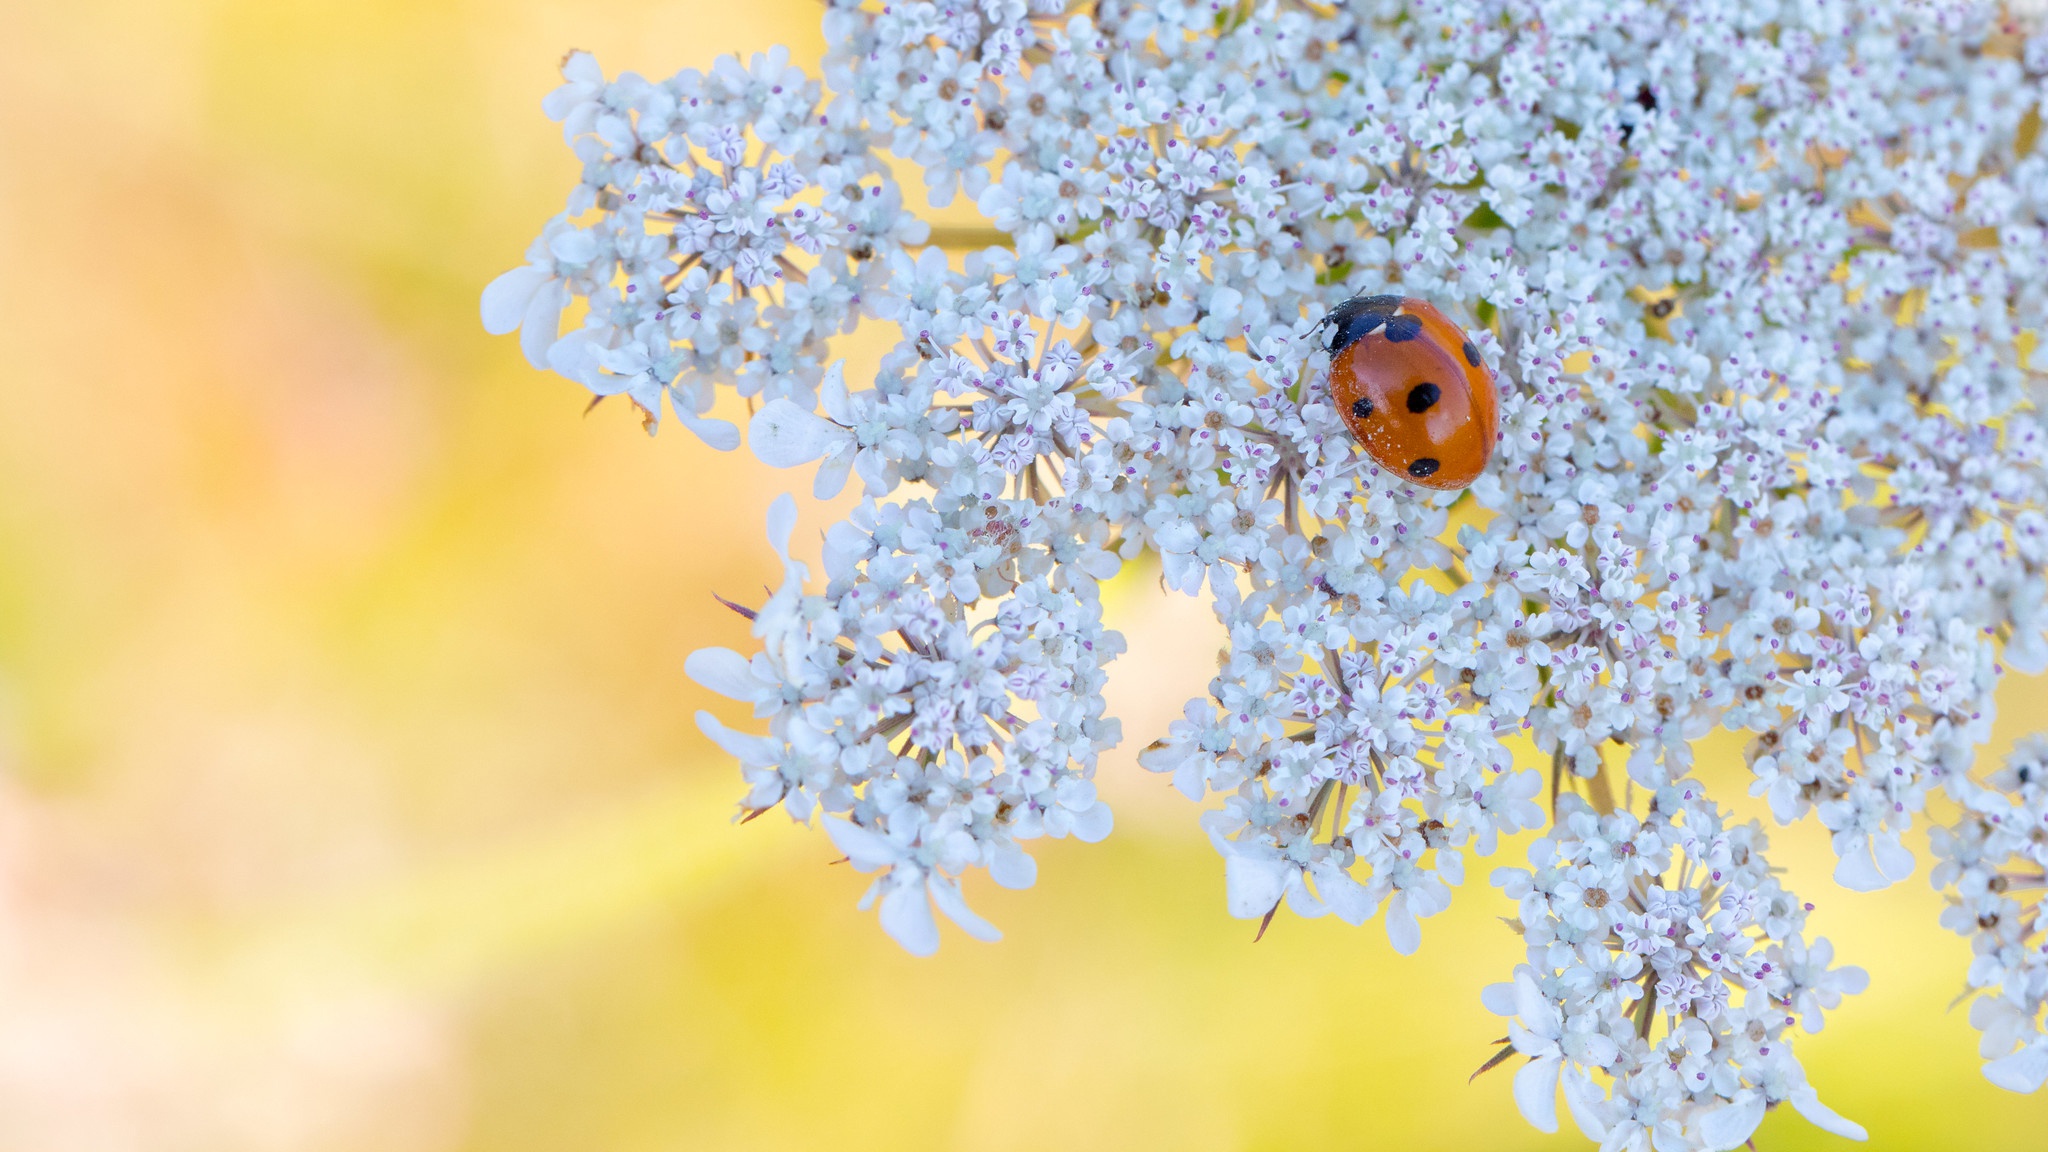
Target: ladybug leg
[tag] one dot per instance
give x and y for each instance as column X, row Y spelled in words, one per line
column 1356, row 318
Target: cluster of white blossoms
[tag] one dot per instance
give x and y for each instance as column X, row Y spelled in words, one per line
column 1994, row 863
column 1630, row 922
column 1761, row 282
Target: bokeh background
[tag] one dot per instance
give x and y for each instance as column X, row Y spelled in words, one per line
column 349, row 793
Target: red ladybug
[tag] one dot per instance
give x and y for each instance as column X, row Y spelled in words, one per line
column 1413, row 390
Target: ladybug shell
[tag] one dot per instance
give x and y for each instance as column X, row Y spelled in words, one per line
column 1413, row 389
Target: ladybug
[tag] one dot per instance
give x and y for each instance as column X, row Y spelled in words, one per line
column 1413, row 390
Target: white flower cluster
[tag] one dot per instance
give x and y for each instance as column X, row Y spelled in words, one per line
column 1634, row 921
column 678, row 238
column 886, row 656
column 1762, row 282
column 1994, row 869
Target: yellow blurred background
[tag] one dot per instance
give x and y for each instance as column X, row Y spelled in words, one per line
column 349, row 795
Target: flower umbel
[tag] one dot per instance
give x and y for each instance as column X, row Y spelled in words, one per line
column 1764, row 289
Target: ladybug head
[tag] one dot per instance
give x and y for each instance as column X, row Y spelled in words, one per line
column 1355, row 318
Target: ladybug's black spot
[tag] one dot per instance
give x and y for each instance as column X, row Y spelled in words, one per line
column 1400, row 328
column 1361, row 408
column 1423, row 466
column 1423, row 397
column 1471, row 354
column 1358, row 317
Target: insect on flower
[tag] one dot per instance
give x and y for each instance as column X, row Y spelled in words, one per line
column 1413, row 389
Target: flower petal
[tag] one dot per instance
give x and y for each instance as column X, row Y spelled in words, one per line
column 723, row 435
column 573, row 356
column 946, row 894
column 832, row 476
column 1093, row 823
column 781, row 523
column 542, row 322
column 1586, row 1102
column 1892, row 858
column 864, row 849
column 724, row 671
column 1534, row 1008
column 1731, row 1125
column 1851, row 979
column 2023, row 1071
column 832, row 394
column 783, row 435
column 1807, row 1102
column 1012, row 866
column 580, row 67
column 1536, row 1093
column 1405, row 934
column 1344, row 895
column 907, row 918
column 1253, row 885
column 750, row 750
column 505, row 299
column 1857, row 870
column 1499, row 999
column 845, row 546
column 574, row 246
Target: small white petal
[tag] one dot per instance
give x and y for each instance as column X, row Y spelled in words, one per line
column 558, row 104
column 1253, row 885
column 1012, row 866
column 832, row 394
column 575, row 356
column 1093, row 823
column 783, row 435
column 2027, row 652
column 1536, row 1093
column 575, row 246
column 542, row 322
column 1301, row 901
column 1807, row 1102
column 723, row 435
column 1345, row 896
column 505, row 299
column 1499, row 999
column 1074, row 793
column 1532, row 1005
column 2024, row 1071
column 832, row 476
column 781, row 523
column 907, row 918
column 1731, row 1125
column 1586, row 1103
column 1892, row 858
column 724, row 671
column 845, row 546
column 1405, row 934
column 1101, row 565
column 1857, row 870
column 581, row 68
column 946, row 894
column 864, row 849
column 750, row 750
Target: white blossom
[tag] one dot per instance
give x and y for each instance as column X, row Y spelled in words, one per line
column 1994, row 871
column 1764, row 285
